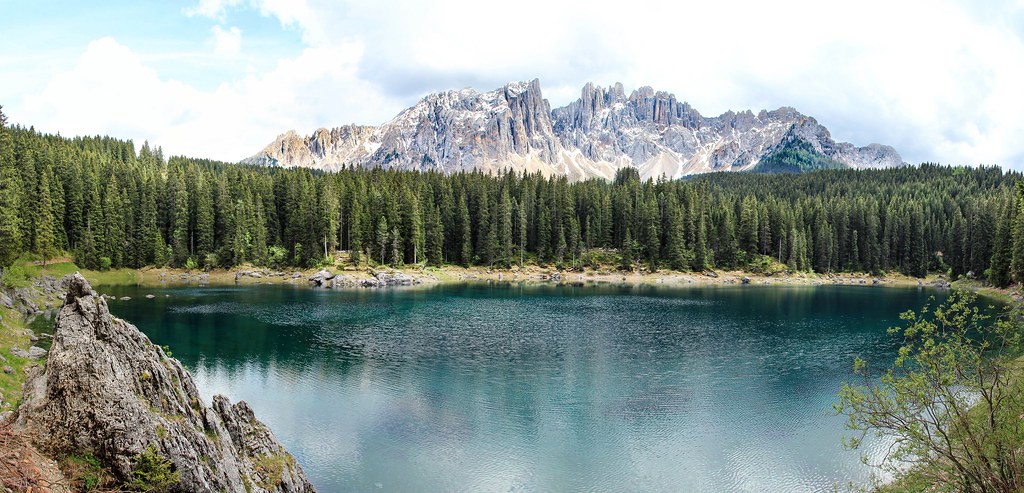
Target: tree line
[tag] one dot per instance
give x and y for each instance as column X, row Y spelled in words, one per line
column 110, row 206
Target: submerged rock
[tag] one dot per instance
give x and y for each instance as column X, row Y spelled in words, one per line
column 108, row 391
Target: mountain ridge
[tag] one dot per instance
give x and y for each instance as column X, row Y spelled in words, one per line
column 514, row 127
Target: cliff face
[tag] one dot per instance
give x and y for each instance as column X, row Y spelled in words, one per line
column 107, row 390
column 602, row 131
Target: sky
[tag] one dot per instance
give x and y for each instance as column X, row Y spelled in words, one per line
column 940, row 80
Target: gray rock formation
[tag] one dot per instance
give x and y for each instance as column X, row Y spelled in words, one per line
column 602, row 131
column 322, row 278
column 107, row 390
column 385, row 279
column 33, row 352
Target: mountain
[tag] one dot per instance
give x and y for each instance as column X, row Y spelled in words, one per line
column 602, row 131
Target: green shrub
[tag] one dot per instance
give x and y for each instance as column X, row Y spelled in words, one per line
column 152, row 472
column 105, row 263
column 211, row 261
column 763, row 264
column 277, row 257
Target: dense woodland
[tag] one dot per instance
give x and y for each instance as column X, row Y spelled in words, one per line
column 108, row 206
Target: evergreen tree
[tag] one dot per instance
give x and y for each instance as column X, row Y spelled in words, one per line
column 45, row 236
column 434, row 236
column 10, row 198
column 504, row 230
column 465, row 233
column 521, row 230
column 180, row 236
column 999, row 272
column 382, row 238
column 204, row 220
column 701, row 254
column 748, row 227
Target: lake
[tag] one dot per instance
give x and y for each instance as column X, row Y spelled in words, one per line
column 539, row 388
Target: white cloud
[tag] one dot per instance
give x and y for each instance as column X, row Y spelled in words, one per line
column 227, row 42
column 214, row 9
column 111, row 91
column 936, row 79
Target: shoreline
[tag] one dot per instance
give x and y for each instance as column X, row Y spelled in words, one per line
column 352, row 277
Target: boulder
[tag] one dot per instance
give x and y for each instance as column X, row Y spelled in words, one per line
column 342, row 282
column 5, row 300
column 34, row 352
column 150, row 296
column 246, row 273
column 8, row 370
column 746, row 280
column 108, row 391
column 321, row 278
column 23, row 301
column 383, row 279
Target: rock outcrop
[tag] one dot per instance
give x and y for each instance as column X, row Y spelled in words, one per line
column 108, row 391
column 385, row 279
column 599, row 133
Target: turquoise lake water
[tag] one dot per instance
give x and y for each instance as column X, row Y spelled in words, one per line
column 545, row 388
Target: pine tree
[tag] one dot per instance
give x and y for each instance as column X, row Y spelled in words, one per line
column 45, row 236
column 355, row 230
column 112, row 244
column 435, row 236
column 382, row 238
column 504, row 230
column 748, row 227
column 180, row 235
column 330, row 219
column 999, row 271
column 675, row 243
column 701, row 254
column 627, row 252
column 10, row 198
column 521, row 230
column 204, row 225
column 466, row 234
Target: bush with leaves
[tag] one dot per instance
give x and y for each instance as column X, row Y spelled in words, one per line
column 951, row 403
column 152, row 472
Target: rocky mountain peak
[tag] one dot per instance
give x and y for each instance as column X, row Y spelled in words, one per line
column 515, row 127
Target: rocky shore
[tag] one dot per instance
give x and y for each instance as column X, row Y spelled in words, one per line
column 107, row 392
column 351, row 277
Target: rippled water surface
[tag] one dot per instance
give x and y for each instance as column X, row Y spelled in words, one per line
column 500, row 388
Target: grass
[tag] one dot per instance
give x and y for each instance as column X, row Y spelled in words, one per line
column 271, row 469
column 86, row 473
column 20, row 274
column 12, row 334
column 997, row 294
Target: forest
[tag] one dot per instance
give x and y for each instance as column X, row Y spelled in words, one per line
column 108, row 206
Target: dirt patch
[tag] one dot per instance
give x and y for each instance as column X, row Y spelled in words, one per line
column 23, row 468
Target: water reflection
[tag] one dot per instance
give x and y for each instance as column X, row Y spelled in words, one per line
column 484, row 388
